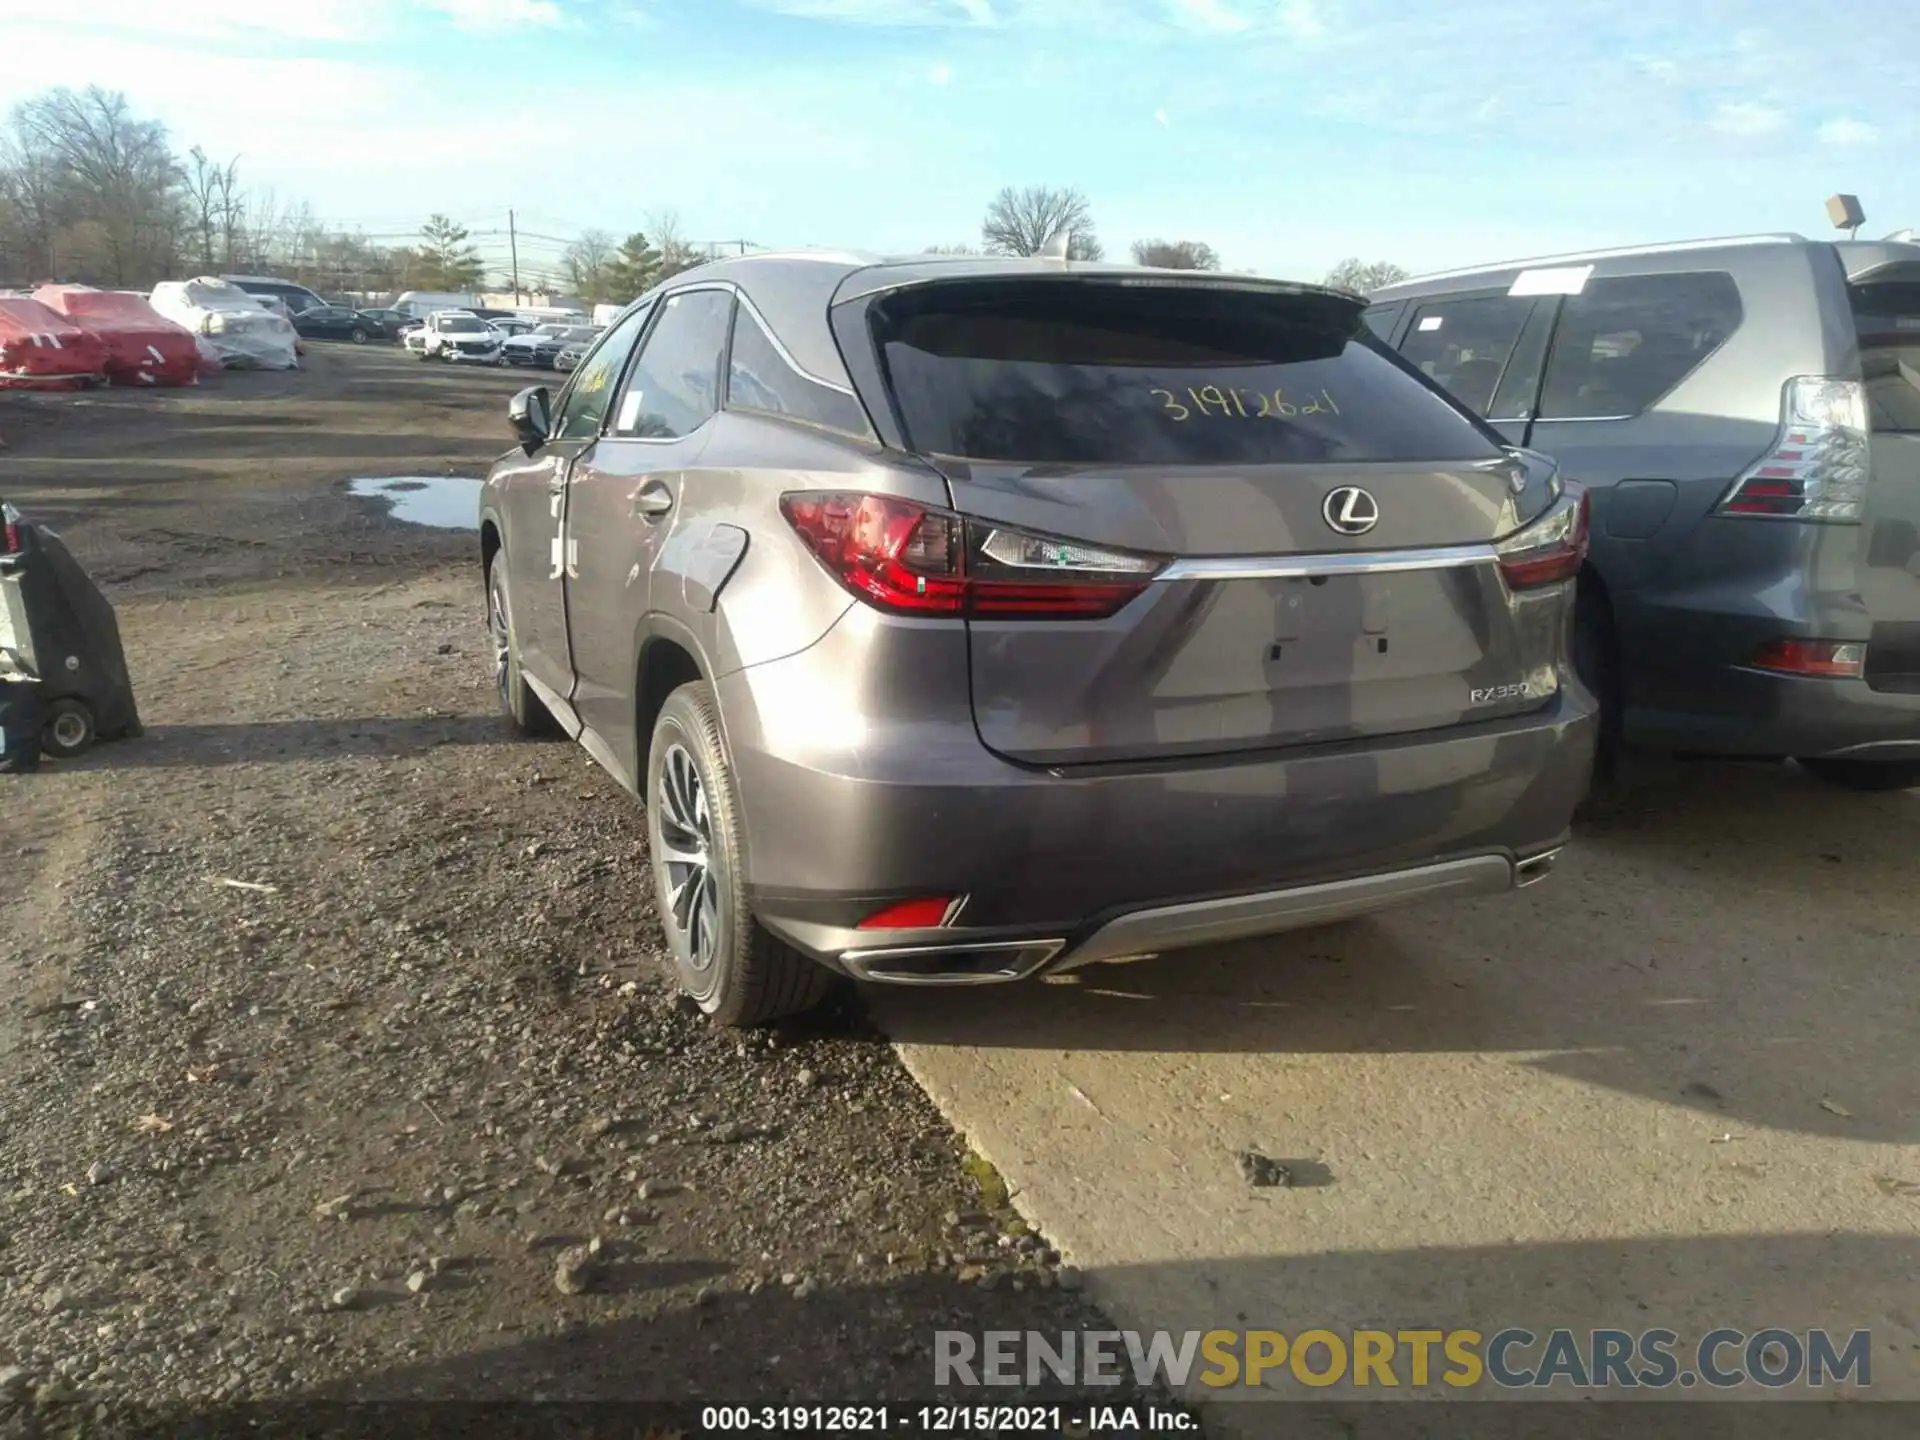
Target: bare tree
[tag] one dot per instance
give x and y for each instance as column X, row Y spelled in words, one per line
column 951, row 250
column 677, row 253
column 1176, row 254
column 210, row 191
column 1022, row 221
column 1363, row 277
column 585, row 263
column 102, row 174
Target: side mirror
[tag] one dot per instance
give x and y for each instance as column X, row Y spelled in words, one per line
column 531, row 415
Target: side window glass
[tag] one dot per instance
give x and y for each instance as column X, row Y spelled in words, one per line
column 584, row 407
column 1381, row 319
column 761, row 377
column 1520, row 386
column 675, row 384
column 1625, row 342
column 1463, row 345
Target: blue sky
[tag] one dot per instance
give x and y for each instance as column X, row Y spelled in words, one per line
column 1286, row 133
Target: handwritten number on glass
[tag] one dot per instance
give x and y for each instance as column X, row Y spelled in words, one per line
column 1213, row 402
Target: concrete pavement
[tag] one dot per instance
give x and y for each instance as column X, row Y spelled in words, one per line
column 1675, row 1085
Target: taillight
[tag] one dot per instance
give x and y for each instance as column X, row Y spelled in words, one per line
column 1552, row 548
column 1819, row 659
column 9, row 530
column 1818, row 466
column 911, row 559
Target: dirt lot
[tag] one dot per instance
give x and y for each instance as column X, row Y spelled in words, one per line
column 340, row 1129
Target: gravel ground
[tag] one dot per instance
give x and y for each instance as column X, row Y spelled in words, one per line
column 335, row 1057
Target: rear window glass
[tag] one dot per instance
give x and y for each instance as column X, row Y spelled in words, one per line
column 1623, row 343
column 1079, row 372
column 1888, row 319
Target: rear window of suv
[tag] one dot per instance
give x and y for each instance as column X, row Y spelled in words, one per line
column 1084, row 372
column 1623, row 343
column 1887, row 317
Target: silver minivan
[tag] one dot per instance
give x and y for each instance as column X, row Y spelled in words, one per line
column 1746, row 416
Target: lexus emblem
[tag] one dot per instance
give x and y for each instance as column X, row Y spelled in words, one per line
column 1350, row 510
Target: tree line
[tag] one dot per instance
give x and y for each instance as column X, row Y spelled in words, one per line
column 93, row 193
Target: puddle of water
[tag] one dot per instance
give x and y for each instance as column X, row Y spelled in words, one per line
column 446, row 502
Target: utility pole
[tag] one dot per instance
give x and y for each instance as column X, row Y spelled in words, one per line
column 513, row 248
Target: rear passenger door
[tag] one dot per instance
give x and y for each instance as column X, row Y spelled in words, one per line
column 1485, row 348
column 629, row 498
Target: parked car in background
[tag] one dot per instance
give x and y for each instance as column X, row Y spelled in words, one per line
column 570, row 355
column 337, row 322
column 390, row 320
column 295, row 296
column 458, row 336
column 237, row 326
column 541, row 347
column 1025, row 618
column 511, row 325
column 1747, row 413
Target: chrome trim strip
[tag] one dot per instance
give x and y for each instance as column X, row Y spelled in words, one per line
column 1299, row 567
column 1241, row 917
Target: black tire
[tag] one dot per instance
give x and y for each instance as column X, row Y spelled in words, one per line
column 518, row 701
column 736, row 971
column 1596, row 660
column 1867, row 775
column 358, row 336
column 66, row 729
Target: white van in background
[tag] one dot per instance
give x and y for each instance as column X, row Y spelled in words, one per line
column 422, row 303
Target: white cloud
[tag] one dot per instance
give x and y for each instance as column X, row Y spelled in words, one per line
column 1747, row 118
column 1846, row 131
column 940, row 74
column 1666, row 71
column 1210, row 16
column 489, row 15
column 887, row 12
column 1161, row 116
column 1301, row 19
column 211, row 19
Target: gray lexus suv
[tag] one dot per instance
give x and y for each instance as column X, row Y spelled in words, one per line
column 1746, row 413
column 961, row 620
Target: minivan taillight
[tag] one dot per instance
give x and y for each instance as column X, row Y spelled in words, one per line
column 911, row 559
column 1818, row 465
column 9, row 530
column 1552, row 548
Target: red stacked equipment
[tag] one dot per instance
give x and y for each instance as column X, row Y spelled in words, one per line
column 143, row 347
column 41, row 349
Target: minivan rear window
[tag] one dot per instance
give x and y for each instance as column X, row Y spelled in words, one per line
column 1085, row 372
column 1887, row 317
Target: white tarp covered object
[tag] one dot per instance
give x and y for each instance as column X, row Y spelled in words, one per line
column 243, row 334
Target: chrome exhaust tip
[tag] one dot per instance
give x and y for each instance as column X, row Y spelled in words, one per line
column 1534, row 869
column 990, row 962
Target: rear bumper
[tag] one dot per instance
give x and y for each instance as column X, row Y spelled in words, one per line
column 931, row 957
column 1751, row 713
column 911, row 806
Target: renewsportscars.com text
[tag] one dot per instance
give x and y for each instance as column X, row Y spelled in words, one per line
column 1512, row 1358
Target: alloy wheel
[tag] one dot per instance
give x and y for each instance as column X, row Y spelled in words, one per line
column 686, row 858
column 497, row 628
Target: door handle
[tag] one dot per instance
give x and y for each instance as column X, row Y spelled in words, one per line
column 652, row 500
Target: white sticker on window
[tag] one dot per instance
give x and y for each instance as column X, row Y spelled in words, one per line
column 629, row 413
column 1431, row 322
column 1561, row 280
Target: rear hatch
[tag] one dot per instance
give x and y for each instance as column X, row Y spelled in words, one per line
column 1886, row 310
column 1318, row 519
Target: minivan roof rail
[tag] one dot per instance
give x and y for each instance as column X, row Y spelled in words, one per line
column 1618, row 252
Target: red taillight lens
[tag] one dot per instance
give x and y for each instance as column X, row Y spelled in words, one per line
column 1819, row 466
column 9, row 530
column 924, row 914
column 1551, row 549
column 1819, row 659
column 915, row 560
